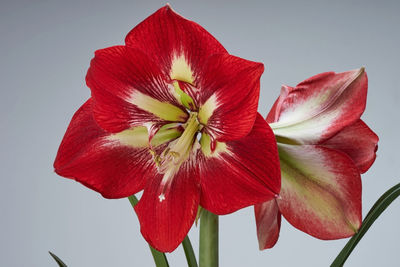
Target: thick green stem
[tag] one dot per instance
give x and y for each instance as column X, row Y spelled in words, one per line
column 159, row 258
column 208, row 256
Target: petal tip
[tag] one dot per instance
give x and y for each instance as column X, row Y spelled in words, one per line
column 170, row 11
column 168, row 8
column 262, row 247
column 361, row 71
column 259, row 67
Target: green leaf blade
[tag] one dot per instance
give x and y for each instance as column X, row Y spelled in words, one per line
column 380, row 205
column 57, row 259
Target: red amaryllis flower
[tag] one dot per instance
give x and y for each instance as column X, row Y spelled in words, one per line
column 323, row 147
column 176, row 115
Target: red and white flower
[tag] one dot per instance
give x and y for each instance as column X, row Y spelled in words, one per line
column 323, row 148
column 173, row 114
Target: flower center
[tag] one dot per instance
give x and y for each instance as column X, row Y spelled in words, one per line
column 169, row 161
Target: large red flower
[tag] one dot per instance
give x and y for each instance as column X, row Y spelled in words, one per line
column 323, row 148
column 176, row 115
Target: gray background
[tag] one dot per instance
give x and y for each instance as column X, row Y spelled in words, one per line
column 45, row 50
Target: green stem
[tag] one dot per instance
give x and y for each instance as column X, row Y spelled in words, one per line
column 376, row 210
column 208, row 256
column 159, row 258
column 189, row 253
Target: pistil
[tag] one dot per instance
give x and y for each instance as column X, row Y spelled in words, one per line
column 174, row 155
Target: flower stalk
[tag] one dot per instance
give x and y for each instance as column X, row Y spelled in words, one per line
column 159, row 258
column 189, row 253
column 208, row 256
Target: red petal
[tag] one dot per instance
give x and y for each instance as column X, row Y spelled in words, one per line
column 321, row 191
column 274, row 112
column 87, row 155
column 115, row 74
column 121, row 70
column 165, row 35
column 115, row 115
column 268, row 220
column 247, row 173
column 319, row 107
column 234, row 85
column 164, row 224
column 359, row 142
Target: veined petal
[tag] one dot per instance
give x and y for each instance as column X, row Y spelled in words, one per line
column 242, row 173
column 127, row 79
column 229, row 91
column 321, row 191
column 179, row 45
column 167, row 211
column 319, row 107
column 268, row 221
column 115, row 115
column 100, row 160
column 358, row 141
column 123, row 71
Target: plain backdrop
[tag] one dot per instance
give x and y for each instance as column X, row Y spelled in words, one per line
column 45, row 50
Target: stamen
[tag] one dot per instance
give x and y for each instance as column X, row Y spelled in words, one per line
column 169, row 161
